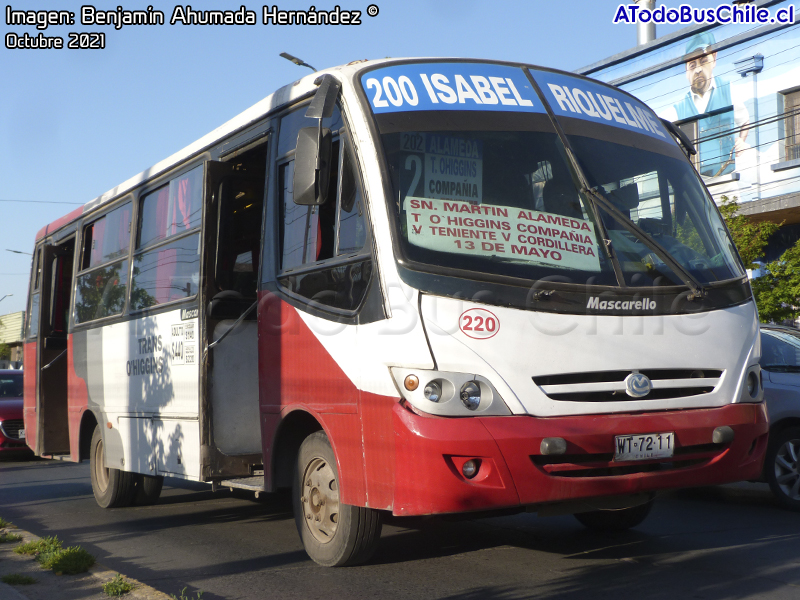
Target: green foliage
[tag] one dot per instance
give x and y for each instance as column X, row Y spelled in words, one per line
column 749, row 236
column 118, row 586
column 70, row 561
column 9, row 537
column 3, row 523
column 17, row 579
column 777, row 292
column 183, row 596
column 687, row 234
column 44, row 545
column 5, row 352
column 50, row 554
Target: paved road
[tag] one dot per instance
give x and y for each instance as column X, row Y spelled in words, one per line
column 715, row 543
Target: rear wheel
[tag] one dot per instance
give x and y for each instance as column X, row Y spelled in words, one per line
column 148, row 489
column 333, row 534
column 112, row 488
column 781, row 467
column 616, row 519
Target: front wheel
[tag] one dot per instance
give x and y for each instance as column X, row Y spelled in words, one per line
column 781, row 467
column 333, row 534
column 615, row 519
column 112, row 488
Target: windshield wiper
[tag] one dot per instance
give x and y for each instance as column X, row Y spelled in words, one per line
column 698, row 291
column 595, row 198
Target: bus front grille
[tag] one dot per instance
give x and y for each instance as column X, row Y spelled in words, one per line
column 609, row 386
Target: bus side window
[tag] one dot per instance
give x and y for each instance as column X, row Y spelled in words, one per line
column 308, row 231
column 320, row 245
column 166, row 264
column 33, row 311
column 352, row 224
column 100, row 287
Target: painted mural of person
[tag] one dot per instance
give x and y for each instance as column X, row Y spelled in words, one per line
column 711, row 95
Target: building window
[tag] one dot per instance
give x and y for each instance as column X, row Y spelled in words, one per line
column 791, row 108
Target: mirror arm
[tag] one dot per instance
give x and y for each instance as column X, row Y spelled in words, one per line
column 681, row 135
column 322, row 105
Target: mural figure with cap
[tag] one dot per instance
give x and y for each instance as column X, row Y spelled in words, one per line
column 710, row 95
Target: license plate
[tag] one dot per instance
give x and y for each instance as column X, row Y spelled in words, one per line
column 644, row 446
column 22, row 434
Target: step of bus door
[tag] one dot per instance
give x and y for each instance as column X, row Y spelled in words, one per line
column 254, row 484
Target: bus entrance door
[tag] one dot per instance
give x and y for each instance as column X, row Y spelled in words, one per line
column 52, row 414
column 235, row 200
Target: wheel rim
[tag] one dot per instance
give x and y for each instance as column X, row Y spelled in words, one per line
column 320, row 500
column 786, row 473
column 100, row 470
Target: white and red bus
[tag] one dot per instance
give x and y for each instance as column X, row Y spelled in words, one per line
column 404, row 286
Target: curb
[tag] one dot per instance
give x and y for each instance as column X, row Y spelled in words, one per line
column 7, row 591
column 98, row 572
column 142, row 591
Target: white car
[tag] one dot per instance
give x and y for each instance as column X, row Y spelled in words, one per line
column 780, row 364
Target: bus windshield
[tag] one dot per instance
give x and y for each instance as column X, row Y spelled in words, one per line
column 492, row 191
column 505, row 202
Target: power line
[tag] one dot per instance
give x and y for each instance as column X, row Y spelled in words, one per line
column 723, row 54
column 41, row 202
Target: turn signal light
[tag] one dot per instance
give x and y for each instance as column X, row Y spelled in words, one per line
column 411, row 382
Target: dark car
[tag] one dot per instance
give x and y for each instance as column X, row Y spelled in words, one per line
column 780, row 364
column 12, row 431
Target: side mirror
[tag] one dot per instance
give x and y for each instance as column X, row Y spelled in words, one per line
column 312, row 159
column 311, row 185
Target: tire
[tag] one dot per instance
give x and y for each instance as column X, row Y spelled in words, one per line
column 333, row 534
column 112, row 488
column 148, row 489
column 781, row 467
column 617, row 519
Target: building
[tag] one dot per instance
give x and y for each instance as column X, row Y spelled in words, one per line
column 11, row 334
column 735, row 90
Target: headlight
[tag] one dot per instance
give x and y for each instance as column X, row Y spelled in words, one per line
column 751, row 386
column 433, row 391
column 471, row 395
column 449, row 394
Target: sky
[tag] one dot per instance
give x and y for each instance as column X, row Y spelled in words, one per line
column 76, row 123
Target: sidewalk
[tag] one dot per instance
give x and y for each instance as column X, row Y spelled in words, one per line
column 49, row 586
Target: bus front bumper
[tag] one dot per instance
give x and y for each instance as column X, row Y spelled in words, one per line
column 431, row 451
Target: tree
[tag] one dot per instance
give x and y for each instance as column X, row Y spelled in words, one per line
column 5, row 349
column 749, row 236
column 777, row 291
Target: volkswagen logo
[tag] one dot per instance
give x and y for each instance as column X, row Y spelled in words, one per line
column 638, row 385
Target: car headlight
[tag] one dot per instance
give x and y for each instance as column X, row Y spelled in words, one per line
column 449, row 394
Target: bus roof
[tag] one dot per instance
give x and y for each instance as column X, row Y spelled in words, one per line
column 278, row 99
